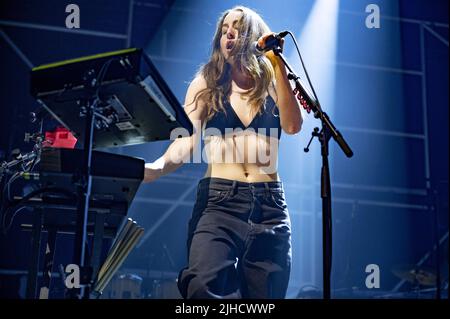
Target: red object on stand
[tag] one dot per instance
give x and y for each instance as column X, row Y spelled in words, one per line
column 60, row 138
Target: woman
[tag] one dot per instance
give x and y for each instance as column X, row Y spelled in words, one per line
column 239, row 233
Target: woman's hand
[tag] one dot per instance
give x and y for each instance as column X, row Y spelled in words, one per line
column 153, row 170
column 269, row 54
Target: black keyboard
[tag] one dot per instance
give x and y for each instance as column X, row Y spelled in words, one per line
column 115, row 178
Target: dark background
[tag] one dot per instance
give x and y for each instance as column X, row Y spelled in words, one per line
column 390, row 100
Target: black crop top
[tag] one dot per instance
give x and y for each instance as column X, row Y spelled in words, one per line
column 267, row 119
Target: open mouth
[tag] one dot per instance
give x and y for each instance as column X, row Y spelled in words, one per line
column 229, row 45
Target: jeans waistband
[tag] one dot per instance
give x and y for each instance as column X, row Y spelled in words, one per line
column 225, row 184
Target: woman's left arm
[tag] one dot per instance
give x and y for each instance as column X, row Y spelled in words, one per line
column 288, row 105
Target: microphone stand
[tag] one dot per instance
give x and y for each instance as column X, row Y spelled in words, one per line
column 327, row 132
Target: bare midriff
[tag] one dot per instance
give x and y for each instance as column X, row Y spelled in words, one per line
column 245, row 156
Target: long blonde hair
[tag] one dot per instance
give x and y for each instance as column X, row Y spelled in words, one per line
column 217, row 71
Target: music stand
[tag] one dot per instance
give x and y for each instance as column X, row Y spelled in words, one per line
column 110, row 99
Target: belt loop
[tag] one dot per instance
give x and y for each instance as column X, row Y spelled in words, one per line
column 266, row 187
column 233, row 188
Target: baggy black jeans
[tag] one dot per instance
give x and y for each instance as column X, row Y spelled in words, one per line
column 239, row 241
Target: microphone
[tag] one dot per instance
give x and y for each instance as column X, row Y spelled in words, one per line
column 270, row 42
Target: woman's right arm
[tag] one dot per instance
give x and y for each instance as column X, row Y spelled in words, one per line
column 181, row 148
